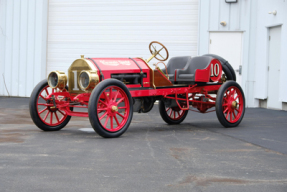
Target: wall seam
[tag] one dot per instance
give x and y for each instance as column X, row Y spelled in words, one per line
column 198, row 27
column 26, row 83
column 47, row 27
column 4, row 46
column 34, row 47
column 12, row 23
column 19, row 47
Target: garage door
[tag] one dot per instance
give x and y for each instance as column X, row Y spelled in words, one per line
column 123, row 28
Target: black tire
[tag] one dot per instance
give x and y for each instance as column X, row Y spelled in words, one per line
column 93, row 108
column 224, row 104
column 227, row 68
column 167, row 118
column 34, row 111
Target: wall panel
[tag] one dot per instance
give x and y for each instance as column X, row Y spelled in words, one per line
column 23, row 45
column 119, row 29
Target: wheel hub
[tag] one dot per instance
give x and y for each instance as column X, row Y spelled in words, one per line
column 114, row 109
column 234, row 104
column 51, row 108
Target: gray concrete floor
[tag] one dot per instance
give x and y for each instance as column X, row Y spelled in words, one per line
column 197, row 155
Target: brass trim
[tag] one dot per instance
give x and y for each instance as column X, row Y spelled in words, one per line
column 152, row 75
column 93, row 80
column 75, row 69
column 62, row 80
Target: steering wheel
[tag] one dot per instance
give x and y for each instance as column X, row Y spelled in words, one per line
column 155, row 52
column 166, row 74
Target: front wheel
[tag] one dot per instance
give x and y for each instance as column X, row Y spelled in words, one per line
column 110, row 108
column 230, row 104
column 42, row 111
column 171, row 115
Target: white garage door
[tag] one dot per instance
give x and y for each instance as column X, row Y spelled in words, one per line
column 123, row 28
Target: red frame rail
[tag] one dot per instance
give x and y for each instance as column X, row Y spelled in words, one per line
column 64, row 99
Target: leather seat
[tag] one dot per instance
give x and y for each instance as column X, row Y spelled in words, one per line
column 187, row 74
column 176, row 63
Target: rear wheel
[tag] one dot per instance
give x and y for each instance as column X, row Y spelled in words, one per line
column 230, row 104
column 110, row 108
column 42, row 110
column 171, row 115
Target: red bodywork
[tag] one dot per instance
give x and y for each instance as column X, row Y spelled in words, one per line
column 193, row 95
column 111, row 66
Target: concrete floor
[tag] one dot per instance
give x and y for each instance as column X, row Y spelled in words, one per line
column 197, row 155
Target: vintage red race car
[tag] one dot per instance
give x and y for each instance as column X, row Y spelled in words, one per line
column 111, row 89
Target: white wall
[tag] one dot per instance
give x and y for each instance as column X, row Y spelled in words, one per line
column 265, row 20
column 23, row 40
column 252, row 18
column 112, row 28
column 238, row 18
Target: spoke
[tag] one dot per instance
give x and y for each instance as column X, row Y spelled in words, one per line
column 45, row 104
column 62, row 112
column 103, row 102
column 103, row 115
column 46, row 116
column 117, row 120
column 227, row 115
column 230, row 116
column 111, row 93
column 167, row 109
column 51, row 118
column 102, row 109
column 43, row 97
column 121, row 115
column 232, row 92
column 236, row 97
column 53, row 90
column 234, row 114
column 228, row 92
column 43, row 110
column 178, row 114
column 160, row 56
column 116, row 96
column 170, row 113
column 112, row 119
column 105, row 94
column 174, row 114
column 225, row 104
column 107, row 120
column 159, row 50
column 237, row 110
column 57, row 117
column 46, row 91
column 120, row 100
column 225, row 110
column 154, row 48
column 122, row 107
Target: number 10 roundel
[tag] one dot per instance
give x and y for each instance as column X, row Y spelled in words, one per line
column 215, row 70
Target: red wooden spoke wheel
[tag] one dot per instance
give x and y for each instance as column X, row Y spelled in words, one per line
column 114, row 109
column 230, row 104
column 110, row 108
column 172, row 115
column 42, row 110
